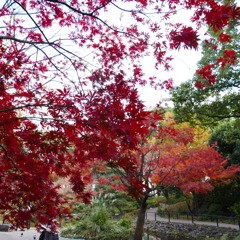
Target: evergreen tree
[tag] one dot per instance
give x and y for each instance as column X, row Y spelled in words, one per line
column 213, row 93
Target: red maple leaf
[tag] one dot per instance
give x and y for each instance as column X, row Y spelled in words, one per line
column 224, row 37
column 186, row 37
column 229, row 57
column 220, row 15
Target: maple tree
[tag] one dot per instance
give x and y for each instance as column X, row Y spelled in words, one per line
column 68, row 78
column 171, row 154
column 223, row 198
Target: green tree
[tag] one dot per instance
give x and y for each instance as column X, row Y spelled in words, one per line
column 223, row 198
column 227, row 136
column 212, row 98
column 213, row 93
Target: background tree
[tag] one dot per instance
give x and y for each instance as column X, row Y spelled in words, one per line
column 68, row 78
column 227, row 135
column 212, row 96
column 223, row 198
column 213, row 93
column 168, row 156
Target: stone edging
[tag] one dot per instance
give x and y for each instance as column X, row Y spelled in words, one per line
column 181, row 231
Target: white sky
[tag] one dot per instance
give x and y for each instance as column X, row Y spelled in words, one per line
column 185, row 65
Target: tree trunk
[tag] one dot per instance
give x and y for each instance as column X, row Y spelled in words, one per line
column 198, row 200
column 166, row 195
column 140, row 220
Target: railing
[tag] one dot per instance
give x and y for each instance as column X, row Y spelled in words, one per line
column 230, row 219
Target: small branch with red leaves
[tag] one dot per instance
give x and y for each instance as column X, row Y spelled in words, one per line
column 11, row 160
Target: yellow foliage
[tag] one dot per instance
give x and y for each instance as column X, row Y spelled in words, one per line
column 201, row 136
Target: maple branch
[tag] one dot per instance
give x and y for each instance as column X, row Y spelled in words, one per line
column 24, row 41
column 104, row 5
column 12, row 120
column 140, row 173
column 150, row 170
column 129, row 11
column 50, row 60
column 46, row 43
column 36, row 105
column 143, row 13
column 52, row 44
column 89, row 14
column 6, row 154
column 9, row 4
column 151, row 163
column 170, row 170
column 29, row 15
column 72, row 8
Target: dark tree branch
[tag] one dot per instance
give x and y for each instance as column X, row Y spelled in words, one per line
column 11, row 160
column 35, row 105
column 29, row 15
column 25, row 41
column 89, row 14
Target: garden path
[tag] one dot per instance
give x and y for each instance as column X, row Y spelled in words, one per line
column 151, row 215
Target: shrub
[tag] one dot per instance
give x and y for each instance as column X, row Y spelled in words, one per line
column 224, row 237
column 99, row 224
column 125, row 222
column 177, row 207
column 154, row 202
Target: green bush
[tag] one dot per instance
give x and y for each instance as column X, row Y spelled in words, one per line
column 235, row 209
column 154, row 202
column 224, row 237
column 173, row 199
column 99, row 224
column 177, row 207
column 67, row 230
column 100, row 216
column 125, row 222
column 214, row 208
column 161, row 209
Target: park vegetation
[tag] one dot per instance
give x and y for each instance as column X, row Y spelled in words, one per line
column 69, row 73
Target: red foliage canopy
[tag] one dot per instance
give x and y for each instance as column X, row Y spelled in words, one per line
column 68, row 76
column 171, row 155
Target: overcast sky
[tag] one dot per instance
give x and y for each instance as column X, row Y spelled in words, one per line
column 185, row 65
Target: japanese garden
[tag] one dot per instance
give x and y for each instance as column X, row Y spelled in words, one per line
column 80, row 150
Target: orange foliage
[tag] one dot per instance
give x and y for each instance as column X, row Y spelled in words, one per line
column 184, row 159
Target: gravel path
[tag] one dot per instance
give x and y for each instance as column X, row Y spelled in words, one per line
column 151, row 215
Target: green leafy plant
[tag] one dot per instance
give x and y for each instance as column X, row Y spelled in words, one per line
column 100, row 225
column 224, row 237
column 154, row 202
column 236, row 209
